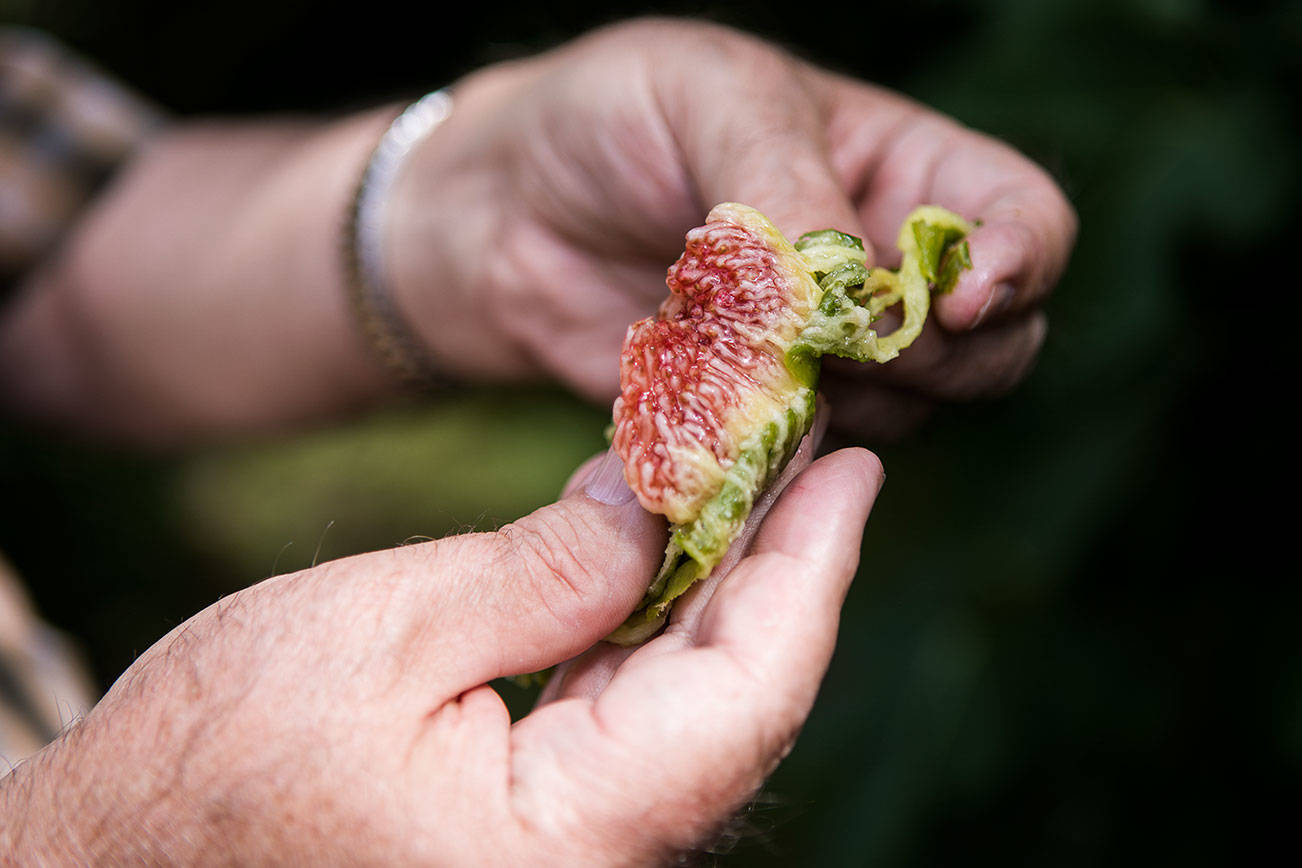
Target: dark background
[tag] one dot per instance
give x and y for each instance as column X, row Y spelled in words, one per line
column 1073, row 640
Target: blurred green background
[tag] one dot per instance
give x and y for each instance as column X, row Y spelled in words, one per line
column 1069, row 643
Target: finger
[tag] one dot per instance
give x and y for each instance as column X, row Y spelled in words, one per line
column 898, row 154
column 751, row 131
column 560, row 579
column 588, row 674
column 951, row 366
column 582, row 474
column 687, row 612
column 698, row 724
column 867, row 411
column 585, row 676
column 815, row 531
column 467, row 609
column 1026, row 227
column 1018, row 254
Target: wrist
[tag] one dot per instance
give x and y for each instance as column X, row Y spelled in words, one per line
column 382, row 323
column 444, row 211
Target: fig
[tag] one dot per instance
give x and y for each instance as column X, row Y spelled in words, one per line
column 718, row 388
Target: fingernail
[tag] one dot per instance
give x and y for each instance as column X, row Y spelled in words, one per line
column 606, row 481
column 1000, row 297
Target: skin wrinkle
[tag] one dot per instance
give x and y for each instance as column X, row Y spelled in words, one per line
column 544, row 163
column 529, row 253
column 552, row 554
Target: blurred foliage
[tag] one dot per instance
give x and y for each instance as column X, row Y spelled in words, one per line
column 1069, row 642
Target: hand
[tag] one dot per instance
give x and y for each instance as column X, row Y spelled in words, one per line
column 341, row 715
column 549, row 206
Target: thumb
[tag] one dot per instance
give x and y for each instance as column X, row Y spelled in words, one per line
column 541, row 589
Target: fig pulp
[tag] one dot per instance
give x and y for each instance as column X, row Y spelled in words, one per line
column 717, row 389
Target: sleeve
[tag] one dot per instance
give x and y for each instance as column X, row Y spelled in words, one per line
column 44, row 682
column 65, row 126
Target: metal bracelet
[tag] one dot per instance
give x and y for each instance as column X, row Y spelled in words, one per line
column 384, row 326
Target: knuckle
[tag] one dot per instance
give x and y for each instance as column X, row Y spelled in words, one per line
column 994, row 371
column 988, row 363
column 725, row 54
column 552, row 563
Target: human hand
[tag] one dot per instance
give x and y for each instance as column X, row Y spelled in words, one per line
column 341, row 715
column 551, row 203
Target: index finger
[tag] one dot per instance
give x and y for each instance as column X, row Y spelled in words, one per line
column 1019, row 250
column 900, row 154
